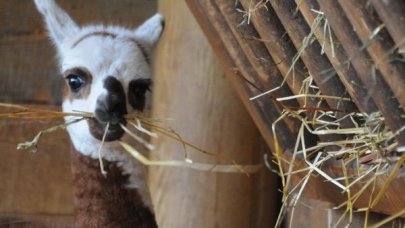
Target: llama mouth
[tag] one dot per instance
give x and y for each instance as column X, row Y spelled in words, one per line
column 97, row 129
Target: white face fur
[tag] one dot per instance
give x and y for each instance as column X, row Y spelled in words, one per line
column 100, row 52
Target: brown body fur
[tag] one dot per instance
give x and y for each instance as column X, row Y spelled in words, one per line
column 105, row 201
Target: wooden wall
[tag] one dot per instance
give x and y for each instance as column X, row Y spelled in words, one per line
column 192, row 90
column 37, row 186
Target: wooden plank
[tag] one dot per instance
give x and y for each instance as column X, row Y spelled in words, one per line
column 392, row 71
column 24, row 223
column 266, row 75
column 35, row 185
column 261, row 110
column 317, row 188
column 338, row 58
column 316, row 64
column 377, row 87
column 392, row 14
column 28, row 68
column 279, row 46
column 212, row 22
column 192, row 90
column 317, row 213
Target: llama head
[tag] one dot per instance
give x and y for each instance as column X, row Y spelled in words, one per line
column 106, row 69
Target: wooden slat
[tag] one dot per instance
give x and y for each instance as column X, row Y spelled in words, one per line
column 377, row 87
column 24, row 223
column 278, row 45
column 35, row 185
column 192, row 90
column 392, row 71
column 311, row 212
column 266, row 75
column 317, row 188
column 305, row 7
column 338, row 58
column 392, row 14
column 212, row 22
column 316, row 64
column 215, row 26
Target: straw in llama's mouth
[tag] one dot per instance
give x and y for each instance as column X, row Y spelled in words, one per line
column 98, row 128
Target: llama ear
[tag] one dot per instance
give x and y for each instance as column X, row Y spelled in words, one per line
column 59, row 24
column 149, row 32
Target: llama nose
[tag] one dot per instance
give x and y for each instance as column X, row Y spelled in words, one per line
column 112, row 106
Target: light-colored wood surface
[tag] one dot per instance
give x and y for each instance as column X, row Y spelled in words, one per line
column 34, row 185
column 192, row 90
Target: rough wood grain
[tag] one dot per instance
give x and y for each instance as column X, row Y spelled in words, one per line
column 261, row 110
column 392, row 14
column 265, row 74
column 11, row 222
column 317, row 188
column 34, row 185
column 192, row 90
column 378, row 89
column 311, row 212
column 271, row 33
column 364, row 24
column 316, row 64
column 212, row 22
column 338, row 58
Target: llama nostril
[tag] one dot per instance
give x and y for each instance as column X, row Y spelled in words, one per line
column 117, row 117
column 113, row 115
column 102, row 115
column 111, row 107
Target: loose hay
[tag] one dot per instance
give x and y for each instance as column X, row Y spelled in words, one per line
column 23, row 112
column 369, row 148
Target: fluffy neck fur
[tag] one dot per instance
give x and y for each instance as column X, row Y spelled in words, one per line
column 106, row 201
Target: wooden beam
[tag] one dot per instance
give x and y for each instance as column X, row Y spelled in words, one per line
column 217, row 31
column 379, row 49
column 316, row 64
column 192, row 90
column 317, row 188
column 392, row 14
column 377, row 87
column 218, row 23
column 338, row 58
column 36, row 185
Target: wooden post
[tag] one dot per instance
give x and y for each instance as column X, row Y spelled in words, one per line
column 191, row 89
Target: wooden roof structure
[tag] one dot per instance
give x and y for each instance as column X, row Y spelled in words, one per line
column 258, row 41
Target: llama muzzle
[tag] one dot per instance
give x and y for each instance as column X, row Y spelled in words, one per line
column 110, row 108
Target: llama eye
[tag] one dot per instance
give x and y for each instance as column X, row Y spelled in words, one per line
column 76, row 82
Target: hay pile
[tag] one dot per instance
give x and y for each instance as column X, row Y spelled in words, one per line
column 343, row 123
